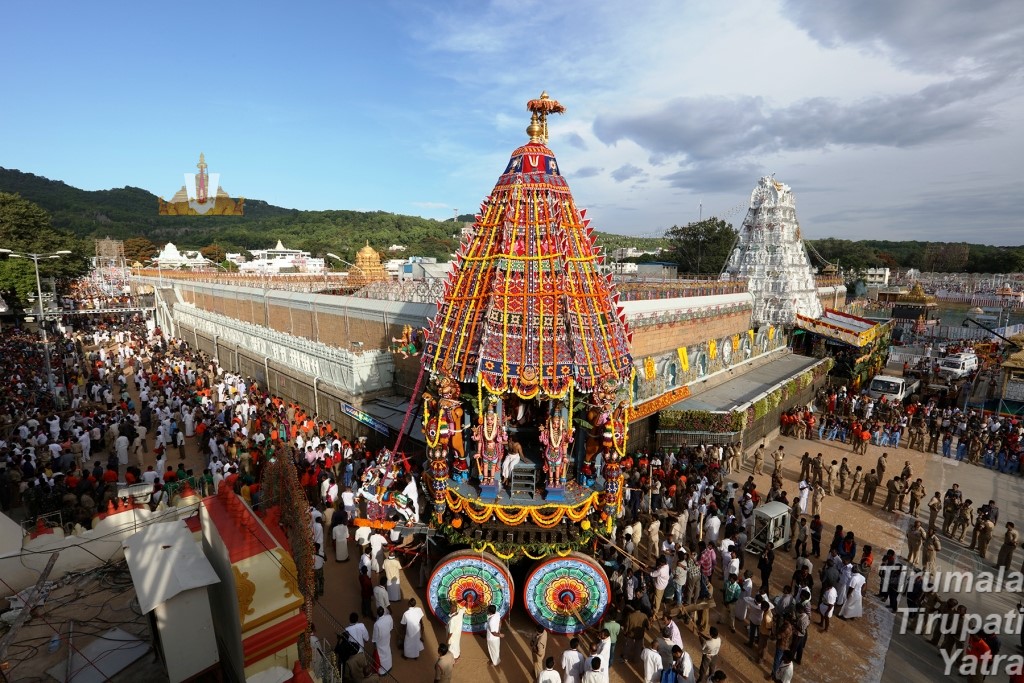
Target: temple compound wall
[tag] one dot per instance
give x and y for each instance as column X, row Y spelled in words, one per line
column 680, row 346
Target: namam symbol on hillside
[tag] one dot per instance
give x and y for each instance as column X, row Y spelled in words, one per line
column 194, row 199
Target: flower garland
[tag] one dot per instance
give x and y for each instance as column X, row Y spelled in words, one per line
column 426, row 430
column 515, row 515
column 788, row 390
column 542, row 550
column 702, row 421
column 619, row 443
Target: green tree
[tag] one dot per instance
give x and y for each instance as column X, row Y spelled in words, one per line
column 139, row 250
column 703, row 247
column 26, row 228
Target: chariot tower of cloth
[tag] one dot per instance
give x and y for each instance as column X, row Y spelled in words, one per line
column 526, row 310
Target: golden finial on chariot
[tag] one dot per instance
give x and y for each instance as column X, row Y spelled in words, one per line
column 541, row 107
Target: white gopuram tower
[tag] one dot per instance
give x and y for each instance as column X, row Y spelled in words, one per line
column 771, row 257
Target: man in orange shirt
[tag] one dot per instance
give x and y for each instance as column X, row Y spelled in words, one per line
column 976, row 656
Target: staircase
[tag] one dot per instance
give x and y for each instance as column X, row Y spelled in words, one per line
column 524, row 481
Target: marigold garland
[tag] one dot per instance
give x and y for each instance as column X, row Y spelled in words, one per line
column 544, row 551
column 514, row 515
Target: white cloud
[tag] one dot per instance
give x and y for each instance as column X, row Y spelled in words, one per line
column 690, row 103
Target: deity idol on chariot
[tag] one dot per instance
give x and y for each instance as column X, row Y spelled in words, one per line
column 490, row 437
column 556, row 436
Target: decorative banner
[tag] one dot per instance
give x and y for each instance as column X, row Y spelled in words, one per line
column 648, row 408
column 713, row 349
column 750, row 333
column 363, row 418
column 650, row 370
column 735, row 342
column 771, row 332
column 684, row 359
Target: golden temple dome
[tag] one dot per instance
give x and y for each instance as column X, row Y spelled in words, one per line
column 368, row 267
column 368, row 252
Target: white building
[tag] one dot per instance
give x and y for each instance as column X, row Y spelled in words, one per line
column 628, row 268
column 876, row 277
column 632, row 252
column 422, row 268
column 169, row 257
column 282, row 260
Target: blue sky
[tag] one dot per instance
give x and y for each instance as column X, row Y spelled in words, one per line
column 889, row 120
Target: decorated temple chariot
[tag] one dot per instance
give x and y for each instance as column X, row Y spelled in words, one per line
column 525, row 379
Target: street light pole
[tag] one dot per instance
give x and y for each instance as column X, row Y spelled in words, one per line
column 352, row 265
column 42, row 326
column 41, row 322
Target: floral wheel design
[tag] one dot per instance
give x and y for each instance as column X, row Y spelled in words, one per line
column 567, row 594
column 475, row 579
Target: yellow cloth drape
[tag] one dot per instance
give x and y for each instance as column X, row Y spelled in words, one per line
column 684, row 359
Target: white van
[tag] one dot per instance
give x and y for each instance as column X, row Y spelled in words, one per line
column 958, row 365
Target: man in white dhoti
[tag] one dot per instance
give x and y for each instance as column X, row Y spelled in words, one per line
column 382, row 641
column 392, row 572
column 455, row 618
column 340, row 536
column 854, row 605
column 494, row 635
column 380, row 594
column 412, row 492
column 805, row 493
column 513, row 456
column 121, row 448
column 377, row 543
column 412, row 620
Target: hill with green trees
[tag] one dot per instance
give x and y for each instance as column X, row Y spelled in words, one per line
column 130, row 213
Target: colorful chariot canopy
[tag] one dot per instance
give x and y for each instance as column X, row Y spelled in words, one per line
column 527, row 309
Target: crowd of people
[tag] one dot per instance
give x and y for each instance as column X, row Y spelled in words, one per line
column 934, row 426
column 130, row 400
column 683, row 540
column 66, row 460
